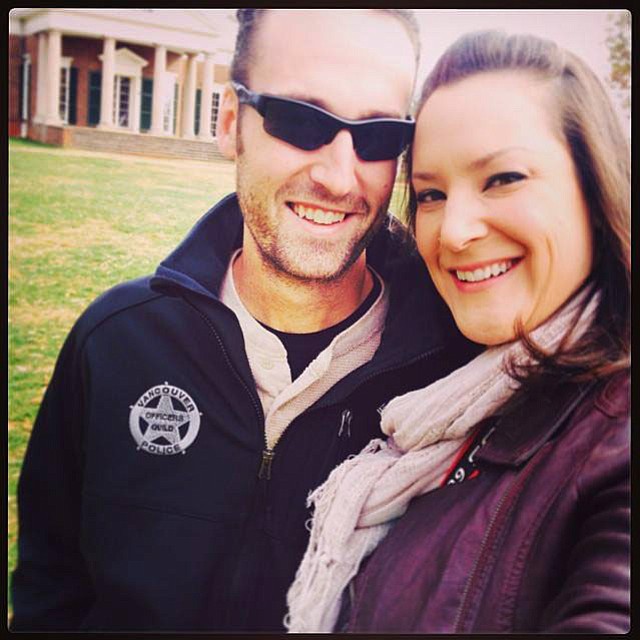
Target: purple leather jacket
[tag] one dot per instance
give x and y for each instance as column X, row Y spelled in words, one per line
column 539, row 541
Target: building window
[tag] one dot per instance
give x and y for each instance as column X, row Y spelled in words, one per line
column 67, row 98
column 63, row 103
column 167, row 116
column 215, row 104
column 121, row 100
column 176, row 93
column 146, row 105
column 95, row 89
column 169, row 105
column 196, row 116
column 25, row 80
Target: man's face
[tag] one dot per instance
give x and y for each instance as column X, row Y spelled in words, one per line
column 310, row 214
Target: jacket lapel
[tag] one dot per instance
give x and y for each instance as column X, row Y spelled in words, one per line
column 526, row 427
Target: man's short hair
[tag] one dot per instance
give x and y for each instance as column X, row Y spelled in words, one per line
column 249, row 20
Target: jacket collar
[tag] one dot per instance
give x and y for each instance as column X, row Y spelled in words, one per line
column 200, row 262
column 529, row 424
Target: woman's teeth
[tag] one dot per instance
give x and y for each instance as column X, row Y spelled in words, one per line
column 319, row 216
column 490, row 271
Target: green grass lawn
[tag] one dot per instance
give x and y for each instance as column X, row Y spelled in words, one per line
column 80, row 223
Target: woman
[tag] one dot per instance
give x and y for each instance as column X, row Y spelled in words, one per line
column 517, row 464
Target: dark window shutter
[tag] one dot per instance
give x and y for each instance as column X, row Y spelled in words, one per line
column 215, row 107
column 95, row 90
column 73, row 95
column 17, row 113
column 196, row 124
column 28, row 91
column 146, row 104
column 175, row 106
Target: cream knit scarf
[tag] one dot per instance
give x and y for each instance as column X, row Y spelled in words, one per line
column 356, row 506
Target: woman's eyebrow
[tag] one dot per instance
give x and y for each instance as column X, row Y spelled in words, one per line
column 474, row 165
column 486, row 159
column 422, row 175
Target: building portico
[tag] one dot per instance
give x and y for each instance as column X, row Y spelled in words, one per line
column 149, row 72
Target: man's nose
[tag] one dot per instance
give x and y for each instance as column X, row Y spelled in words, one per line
column 464, row 221
column 335, row 165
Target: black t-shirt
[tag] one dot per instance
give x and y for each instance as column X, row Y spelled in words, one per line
column 303, row 348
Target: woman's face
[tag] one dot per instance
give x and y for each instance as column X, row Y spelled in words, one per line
column 501, row 224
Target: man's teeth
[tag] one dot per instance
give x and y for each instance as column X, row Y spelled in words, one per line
column 320, row 216
column 490, row 271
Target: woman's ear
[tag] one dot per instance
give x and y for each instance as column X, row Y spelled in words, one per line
column 227, row 125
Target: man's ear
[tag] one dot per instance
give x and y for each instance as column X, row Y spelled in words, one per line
column 227, row 125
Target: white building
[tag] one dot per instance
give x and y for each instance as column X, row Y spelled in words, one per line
column 132, row 80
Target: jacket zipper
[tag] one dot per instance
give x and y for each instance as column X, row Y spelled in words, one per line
column 264, row 473
column 506, row 502
column 257, row 408
column 269, row 453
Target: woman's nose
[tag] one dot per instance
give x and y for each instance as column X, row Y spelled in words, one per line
column 464, row 221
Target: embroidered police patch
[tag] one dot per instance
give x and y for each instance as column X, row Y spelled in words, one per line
column 165, row 420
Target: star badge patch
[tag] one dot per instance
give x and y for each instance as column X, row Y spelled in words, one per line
column 164, row 421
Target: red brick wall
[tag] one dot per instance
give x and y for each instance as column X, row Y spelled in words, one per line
column 221, row 73
column 15, row 60
column 175, row 64
column 84, row 53
column 148, row 53
column 47, row 134
column 28, row 45
column 31, row 46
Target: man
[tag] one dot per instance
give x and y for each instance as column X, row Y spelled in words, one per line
column 191, row 413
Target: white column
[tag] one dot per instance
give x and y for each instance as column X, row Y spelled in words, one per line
column 189, row 98
column 106, row 92
column 53, row 78
column 159, row 68
column 136, row 103
column 205, row 102
column 41, row 79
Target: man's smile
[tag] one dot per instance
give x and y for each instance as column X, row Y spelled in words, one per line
column 317, row 214
column 326, row 215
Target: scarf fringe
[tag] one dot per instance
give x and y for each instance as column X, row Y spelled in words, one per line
column 356, row 506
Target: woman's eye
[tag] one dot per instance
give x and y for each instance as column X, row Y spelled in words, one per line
column 430, row 195
column 501, row 179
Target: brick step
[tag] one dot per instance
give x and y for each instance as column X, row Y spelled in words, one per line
column 142, row 144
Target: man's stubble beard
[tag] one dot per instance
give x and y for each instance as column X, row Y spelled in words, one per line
column 314, row 260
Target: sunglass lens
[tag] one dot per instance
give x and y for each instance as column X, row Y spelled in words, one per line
column 296, row 124
column 307, row 128
column 381, row 140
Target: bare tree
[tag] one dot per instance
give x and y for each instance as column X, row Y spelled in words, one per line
column 619, row 45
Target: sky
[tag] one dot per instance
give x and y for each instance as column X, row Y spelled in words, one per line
column 581, row 31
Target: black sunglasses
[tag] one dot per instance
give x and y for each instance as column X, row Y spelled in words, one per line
column 309, row 127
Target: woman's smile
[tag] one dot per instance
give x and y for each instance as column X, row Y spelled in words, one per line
column 482, row 272
column 501, row 221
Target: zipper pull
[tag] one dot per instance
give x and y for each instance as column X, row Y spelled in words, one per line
column 265, row 465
